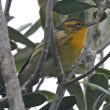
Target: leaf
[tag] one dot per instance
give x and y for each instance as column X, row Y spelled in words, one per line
column 79, row 15
column 99, row 101
column 30, row 100
column 13, row 45
column 94, row 86
column 56, row 19
column 106, row 107
column 103, row 71
column 42, row 15
column 98, row 84
column 18, row 37
column 81, row 70
column 70, row 6
column 21, row 57
column 33, row 99
column 67, row 103
column 23, row 27
column 33, row 28
column 41, row 2
column 48, row 94
column 76, row 90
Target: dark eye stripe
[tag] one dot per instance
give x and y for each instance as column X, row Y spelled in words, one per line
column 78, row 25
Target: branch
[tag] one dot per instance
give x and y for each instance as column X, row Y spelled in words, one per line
column 47, row 33
column 6, row 11
column 8, row 68
column 40, row 83
column 56, row 57
column 62, row 88
column 58, row 97
column 89, row 72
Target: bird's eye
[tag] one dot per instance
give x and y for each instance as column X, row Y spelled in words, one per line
column 78, row 25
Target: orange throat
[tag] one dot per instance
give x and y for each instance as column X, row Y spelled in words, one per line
column 78, row 38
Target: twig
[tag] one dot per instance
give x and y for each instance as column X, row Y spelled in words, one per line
column 6, row 11
column 56, row 56
column 103, row 46
column 8, row 68
column 90, row 71
column 7, row 6
column 40, row 83
column 47, row 33
column 58, row 97
column 62, row 88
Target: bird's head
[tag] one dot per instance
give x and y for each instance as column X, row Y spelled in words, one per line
column 71, row 26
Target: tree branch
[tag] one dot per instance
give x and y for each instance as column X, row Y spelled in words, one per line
column 8, row 68
column 7, row 9
column 62, row 88
column 90, row 71
column 47, row 34
column 56, row 57
column 39, row 84
column 58, row 97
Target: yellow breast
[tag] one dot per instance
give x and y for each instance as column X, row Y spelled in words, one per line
column 70, row 50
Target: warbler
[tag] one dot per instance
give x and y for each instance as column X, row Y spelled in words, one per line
column 70, row 36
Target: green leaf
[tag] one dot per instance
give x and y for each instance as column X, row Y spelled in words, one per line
column 13, row 45
column 33, row 28
column 104, row 72
column 30, row 100
column 41, row 2
column 23, row 27
column 56, row 18
column 42, row 15
column 81, row 70
column 98, row 84
column 99, row 101
column 34, row 99
column 67, row 103
column 48, row 94
column 70, row 6
column 18, row 37
column 106, row 107
column 79, row 15
column 94, row 86
column 77, row 91
column 21, row 57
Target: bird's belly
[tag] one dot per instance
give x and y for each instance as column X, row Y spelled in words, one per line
column 68, row 56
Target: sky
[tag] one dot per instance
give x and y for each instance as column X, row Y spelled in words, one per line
column 27, row 11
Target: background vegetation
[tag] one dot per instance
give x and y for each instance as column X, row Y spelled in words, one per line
column 91, row 93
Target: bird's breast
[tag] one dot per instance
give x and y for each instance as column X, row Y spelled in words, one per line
column 71, row 50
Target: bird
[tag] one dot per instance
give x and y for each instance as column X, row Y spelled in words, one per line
column 70, row 36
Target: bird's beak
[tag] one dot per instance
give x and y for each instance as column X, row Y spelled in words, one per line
column 90, row 24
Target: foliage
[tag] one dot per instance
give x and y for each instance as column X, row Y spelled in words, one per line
column 98, row 83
